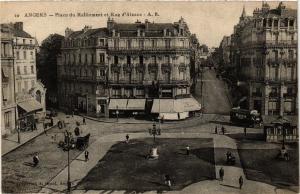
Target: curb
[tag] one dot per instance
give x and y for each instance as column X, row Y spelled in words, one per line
column 28, row 140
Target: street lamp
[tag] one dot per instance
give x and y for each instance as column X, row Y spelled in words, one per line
column 117, row 113
column 68, row 137
column 154, row 131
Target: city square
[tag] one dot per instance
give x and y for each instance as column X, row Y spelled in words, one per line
column 142, row 104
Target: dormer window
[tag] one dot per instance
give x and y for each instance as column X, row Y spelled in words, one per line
column 181, row 32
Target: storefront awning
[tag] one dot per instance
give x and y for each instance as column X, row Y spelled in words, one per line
column 118, row 104
column 190, row 104
column 166, row 106
column 136, row 104
column 30, row 105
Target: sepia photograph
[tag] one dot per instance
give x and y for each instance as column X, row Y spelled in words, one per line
column 127, row 97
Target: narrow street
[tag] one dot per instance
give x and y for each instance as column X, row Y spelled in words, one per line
column 215, row 99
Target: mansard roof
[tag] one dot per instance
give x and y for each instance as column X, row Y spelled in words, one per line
column 16, row 32
column 97, row 32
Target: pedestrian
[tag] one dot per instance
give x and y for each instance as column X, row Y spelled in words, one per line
column 55, row 138
column 221, row 173
column 187, row 150
column 245, row 131
column 52, row 139
column 51, row 120
column 36, row 160
column 86, row 155
column 34, row 125
column 127, row 138
column 83, row 120
column 72, row 113
column 216, row 130
column 223, row 130
column 168, row 180
column 241, row 181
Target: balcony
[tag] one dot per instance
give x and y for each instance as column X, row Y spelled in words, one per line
column 290, row 95
column 274, row 95
column 163, row 48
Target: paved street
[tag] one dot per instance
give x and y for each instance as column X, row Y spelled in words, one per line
column 215, row 99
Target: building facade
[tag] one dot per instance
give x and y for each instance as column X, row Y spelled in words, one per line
column 224, row 50
column 264, row 51
column 29, row 93
column 8, row 109
column 82, row 70
column 139, row 64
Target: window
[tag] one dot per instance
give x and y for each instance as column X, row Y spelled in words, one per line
column 92, row 56
column 273, row 107
column 102, row 72
column 24, row 53
column 32, row 83
column 141, row 43
column 101, row 42
column 276, row 23
column 19, row 87
column 32, row 69
column 275, row 55
column 86, row 58
column 102, row 60
column 181, row 32
column 291, row 23
column 116, row 59
column 6, row 119
column 18, row 54
column 30, row 41
column 167, row 43
column 291, row 54
column 116, row 45
column 141, row 59
column 26, row 85
column 128, row 43
column 25, row 70
column 24, row 41
column 153, row 43
column 18, row 70
column 31, row 55
column 167, row 59
column 128, row 60
column 153, row 60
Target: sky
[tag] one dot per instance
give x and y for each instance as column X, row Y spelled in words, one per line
column 209, row 20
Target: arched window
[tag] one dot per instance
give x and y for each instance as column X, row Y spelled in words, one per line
column 38, row 96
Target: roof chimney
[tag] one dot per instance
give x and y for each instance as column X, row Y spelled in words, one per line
column 68, row 32
column 110, row 24
column 18, row 25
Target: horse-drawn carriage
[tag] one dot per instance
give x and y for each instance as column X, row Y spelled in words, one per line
column 79, row 143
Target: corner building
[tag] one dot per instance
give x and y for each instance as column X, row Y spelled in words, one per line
column 145, row 70
column 264, row 51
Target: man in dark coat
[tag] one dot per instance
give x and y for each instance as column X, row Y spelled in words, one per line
column 241, row 181
column 221, row 173
column 86, row 155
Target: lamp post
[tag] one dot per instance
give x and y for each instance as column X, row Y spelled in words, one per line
column 154, row 131
column 117, row 113
column 68, row 146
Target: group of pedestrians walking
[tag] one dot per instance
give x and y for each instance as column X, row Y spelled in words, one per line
column 221, row 174
column 222, row 130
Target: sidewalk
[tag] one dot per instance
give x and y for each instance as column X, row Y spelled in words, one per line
column 11, row 142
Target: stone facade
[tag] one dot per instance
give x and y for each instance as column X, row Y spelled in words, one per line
column 124, row 61
column 8, row 109
column 264, row 51
column 26, row 87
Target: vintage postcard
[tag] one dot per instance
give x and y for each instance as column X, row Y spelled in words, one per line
column 149, row 97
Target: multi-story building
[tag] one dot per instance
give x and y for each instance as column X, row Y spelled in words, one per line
column 264, row 51
column 224, row 50
column 8, row 109
column 82, row 70
column 29, row 92
column 141, row 66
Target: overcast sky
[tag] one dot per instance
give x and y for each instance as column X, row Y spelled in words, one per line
column 210, row 21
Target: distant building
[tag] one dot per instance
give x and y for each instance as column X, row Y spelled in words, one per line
column 8, row 109
column 29, row 92
column 224, row 50
column 135, row 68
column 264, row 51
